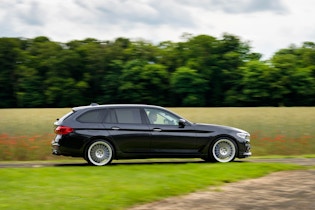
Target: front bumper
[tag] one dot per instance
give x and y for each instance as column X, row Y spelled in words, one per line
column 246, row 154
column 244, row 149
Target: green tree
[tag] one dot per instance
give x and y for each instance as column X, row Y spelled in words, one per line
column 144, row 83
column 217, row 61
column 131, row 89
column 188, row 87
column 297, row 78
column 64, row 93
column 142, row 50
column 201, row 54
column 28, row 93
column 302, row 87
column 112, row 82
column 233, row 54
column 155, row 79
column 200, row 70
column 10, row 56
column 256, row 84
column 93, row 55
column 116, row 54
column 170, row 54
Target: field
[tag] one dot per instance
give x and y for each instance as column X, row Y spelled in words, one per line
column 25, row 134
column 274, row 130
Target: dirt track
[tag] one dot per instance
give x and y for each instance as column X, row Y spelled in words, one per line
column 282, row 190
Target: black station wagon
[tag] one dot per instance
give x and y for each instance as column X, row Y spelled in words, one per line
column 101, row 133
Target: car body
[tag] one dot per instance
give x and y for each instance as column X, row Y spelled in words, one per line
column 101, row 133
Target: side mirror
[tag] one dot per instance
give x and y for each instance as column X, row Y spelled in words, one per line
column 182, row 123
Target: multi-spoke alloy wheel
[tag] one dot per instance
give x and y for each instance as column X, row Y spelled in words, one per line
column 100, row 153
column 224, row 150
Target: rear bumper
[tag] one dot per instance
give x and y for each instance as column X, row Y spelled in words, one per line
column 55, row 148
column 62, row 145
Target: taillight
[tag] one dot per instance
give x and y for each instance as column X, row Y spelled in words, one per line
column 63, row 130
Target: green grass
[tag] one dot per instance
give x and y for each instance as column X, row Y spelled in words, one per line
column 118, row 186
column 25, row 134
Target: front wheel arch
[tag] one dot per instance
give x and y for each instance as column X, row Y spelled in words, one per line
column 223, row 149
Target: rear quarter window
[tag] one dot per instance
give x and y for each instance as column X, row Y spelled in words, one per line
column 93, row 116
column 65, row 117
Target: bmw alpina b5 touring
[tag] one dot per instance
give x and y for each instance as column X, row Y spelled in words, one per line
column 101, row 133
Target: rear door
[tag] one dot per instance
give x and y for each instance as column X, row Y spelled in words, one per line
column 128, row 129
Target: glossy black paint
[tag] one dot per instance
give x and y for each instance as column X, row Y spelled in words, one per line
column 142, row 139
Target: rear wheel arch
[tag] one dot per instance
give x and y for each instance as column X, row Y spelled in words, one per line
column 104, row 138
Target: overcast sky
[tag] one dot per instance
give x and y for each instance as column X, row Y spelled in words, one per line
column 269, row 25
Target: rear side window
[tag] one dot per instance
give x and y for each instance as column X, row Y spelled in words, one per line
column 128, row 115
column 93, row 116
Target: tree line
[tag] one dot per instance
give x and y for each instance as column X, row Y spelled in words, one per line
column 200, row 70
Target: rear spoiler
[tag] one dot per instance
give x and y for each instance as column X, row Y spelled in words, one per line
column 83, row 107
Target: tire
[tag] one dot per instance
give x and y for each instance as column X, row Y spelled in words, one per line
column 223, row 150
column 99, row 153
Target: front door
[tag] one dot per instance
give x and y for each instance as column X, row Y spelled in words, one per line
column 167, row 136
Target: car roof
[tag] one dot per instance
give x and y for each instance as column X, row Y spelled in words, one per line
column 96, row 106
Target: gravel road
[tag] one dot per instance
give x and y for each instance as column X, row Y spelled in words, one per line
column 287, row 190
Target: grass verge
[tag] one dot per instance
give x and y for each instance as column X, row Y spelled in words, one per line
column 118, row 186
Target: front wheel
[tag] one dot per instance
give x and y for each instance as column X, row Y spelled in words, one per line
column 223, row 150
column 99, row 153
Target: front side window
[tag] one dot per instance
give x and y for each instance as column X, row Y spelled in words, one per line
column 161, row 117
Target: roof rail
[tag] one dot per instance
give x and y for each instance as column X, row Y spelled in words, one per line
column 94, row 104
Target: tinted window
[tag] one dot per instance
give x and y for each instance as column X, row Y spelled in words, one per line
column 65, row 116
column 110, row 117
column 93, row 116
column 128, row 115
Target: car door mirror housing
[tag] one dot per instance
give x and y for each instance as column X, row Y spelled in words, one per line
column 182, row 123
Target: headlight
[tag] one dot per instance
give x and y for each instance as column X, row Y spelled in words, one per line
column 245, row 136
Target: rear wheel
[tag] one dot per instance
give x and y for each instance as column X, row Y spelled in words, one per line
column 99, row 153
column 223, row 150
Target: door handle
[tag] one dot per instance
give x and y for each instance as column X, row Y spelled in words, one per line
column 157, row 129
column 115, row 128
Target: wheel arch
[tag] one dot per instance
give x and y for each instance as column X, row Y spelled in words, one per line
column 214, row 139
